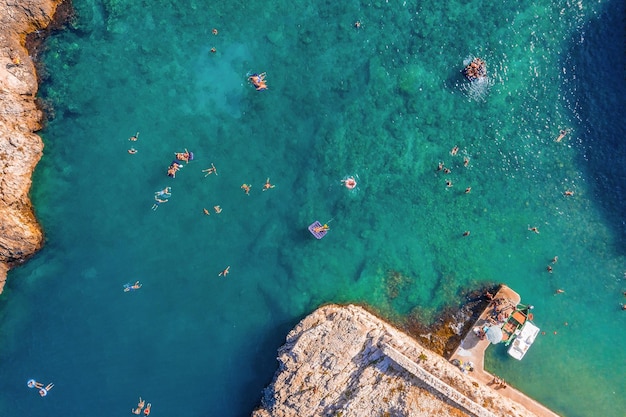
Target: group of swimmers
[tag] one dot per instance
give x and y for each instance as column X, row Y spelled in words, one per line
column 140, row 406
column 43, row 391
column 442, row 167
column 176, row 164
column 133, row 138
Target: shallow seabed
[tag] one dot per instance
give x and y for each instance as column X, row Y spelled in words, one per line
column 385, row 103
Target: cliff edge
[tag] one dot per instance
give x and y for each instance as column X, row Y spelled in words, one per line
column 20, row 148
column 344, row 361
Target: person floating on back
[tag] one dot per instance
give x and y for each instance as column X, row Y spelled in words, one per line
column 258, row 80
column 210, row 171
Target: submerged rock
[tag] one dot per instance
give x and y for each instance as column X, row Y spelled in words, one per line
column 475, row 70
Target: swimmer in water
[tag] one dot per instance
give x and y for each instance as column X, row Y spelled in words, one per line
column 135, row 286
column 166, row 192
column 454, row 151
column 533, row 229
column 146, row 412
column 562, row 134
column 206, row 211
column 217, row 209
column 157, row 202
column 258, row 80
column 224, row 272
column 132, row 151
column 134, row 138
column 44, row 391
column 210, row 171
column 349, row 183
column 183, row 156
column 267, row 184
column 246, row 188
column 140, row 406
column 34, row 384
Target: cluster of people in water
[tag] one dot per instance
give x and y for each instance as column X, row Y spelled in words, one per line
column 177, row 163
column 475, row 70
column 140, row 406
column 441, row 167
column 43, row 390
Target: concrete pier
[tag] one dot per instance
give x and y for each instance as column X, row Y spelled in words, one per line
column 472, row 349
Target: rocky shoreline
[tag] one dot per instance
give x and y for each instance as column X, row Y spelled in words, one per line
column 20, row 147
column 344, row 361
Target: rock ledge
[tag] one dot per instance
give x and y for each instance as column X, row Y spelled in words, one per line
column 344, row 361
column 20, row 148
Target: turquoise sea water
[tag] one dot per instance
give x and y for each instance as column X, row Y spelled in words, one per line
column 385, row 103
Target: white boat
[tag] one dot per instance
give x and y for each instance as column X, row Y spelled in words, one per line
column 523, row 340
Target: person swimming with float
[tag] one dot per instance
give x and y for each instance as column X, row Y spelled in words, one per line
column 34, row 384
column 258, row 80
column 349, row 183
column 184, row 156
column 44, row 391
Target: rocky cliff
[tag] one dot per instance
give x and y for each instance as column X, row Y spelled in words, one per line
column 20, row 148
column 344, row 361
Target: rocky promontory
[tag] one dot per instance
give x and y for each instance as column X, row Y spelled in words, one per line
column 20, row 148
column 344, row 361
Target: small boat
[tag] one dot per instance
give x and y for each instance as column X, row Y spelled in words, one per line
column 511, row 328
column 318, row 230
column 523, row 340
